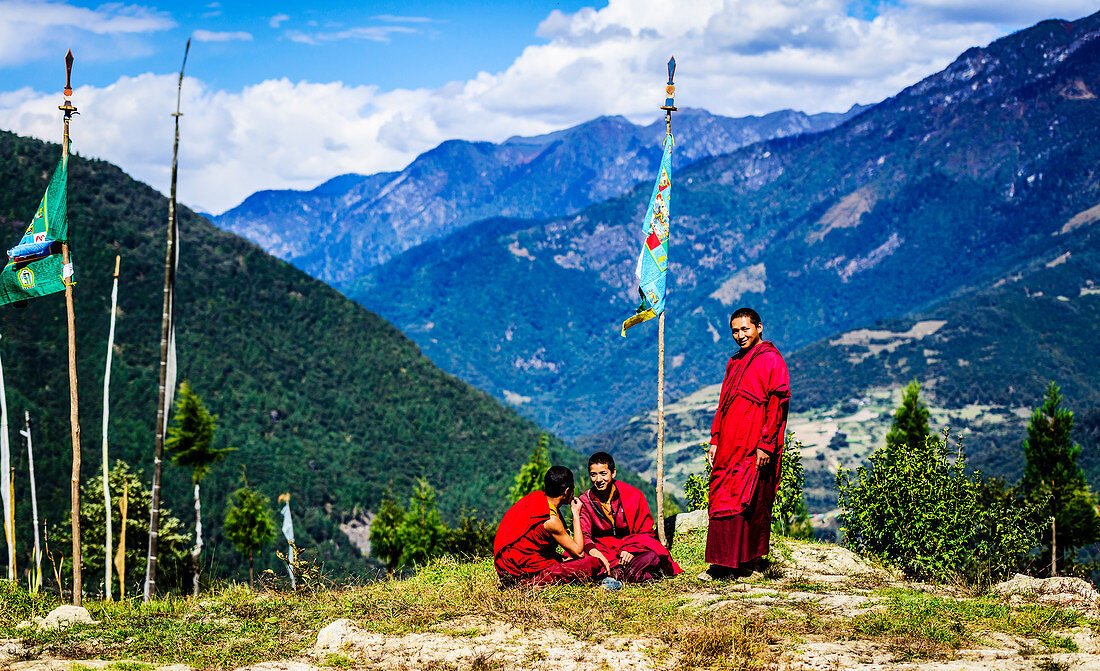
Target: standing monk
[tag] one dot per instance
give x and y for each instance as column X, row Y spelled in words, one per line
column 525, row 549
column 615, row 519
column 746, row 446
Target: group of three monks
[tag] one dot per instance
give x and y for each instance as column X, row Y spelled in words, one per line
column 614, row 539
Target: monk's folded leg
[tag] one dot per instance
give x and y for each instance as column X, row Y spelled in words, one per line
column 586, row 569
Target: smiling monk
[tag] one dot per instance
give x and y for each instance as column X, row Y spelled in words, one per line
column 525, row 549
column 746, row 446
column 615, row 519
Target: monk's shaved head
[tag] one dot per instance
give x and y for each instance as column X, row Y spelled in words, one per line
column 558, row 481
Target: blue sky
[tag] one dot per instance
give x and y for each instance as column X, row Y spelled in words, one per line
column 287, row 95
column 406, row 44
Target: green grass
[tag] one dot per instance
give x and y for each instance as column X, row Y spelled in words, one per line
column 234, row 626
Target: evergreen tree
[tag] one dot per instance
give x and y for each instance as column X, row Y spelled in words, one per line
column 248, row 524
column 1051, row 471
column 910, row 426
column 385, row 542
column 189, row 444
column 531, row 474
column 93, row 524
column 422, row 532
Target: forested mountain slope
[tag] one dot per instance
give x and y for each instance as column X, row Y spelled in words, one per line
column 320, row 397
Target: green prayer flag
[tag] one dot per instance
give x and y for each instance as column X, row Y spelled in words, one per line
column 34, row 265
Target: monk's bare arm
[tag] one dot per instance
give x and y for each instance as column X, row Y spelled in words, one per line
column 557, row 530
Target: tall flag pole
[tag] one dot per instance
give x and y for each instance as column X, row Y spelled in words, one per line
column 106, row 414
column 167, row 385
column 651, row 273
column 288, row 533
column 5, row 477
column 40, row 265
column 74, row 414
column 36, row 572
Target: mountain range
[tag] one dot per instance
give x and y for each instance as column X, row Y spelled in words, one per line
column 352, row 223
column 946, row 187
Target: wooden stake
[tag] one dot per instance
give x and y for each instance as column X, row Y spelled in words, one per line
column 165, row 330
column 74, row 414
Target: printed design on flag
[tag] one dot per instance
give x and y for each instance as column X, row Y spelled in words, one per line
column 34, row 265
column 653, row 259
column 26, row 278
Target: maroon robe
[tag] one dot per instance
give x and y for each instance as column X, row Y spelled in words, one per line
column 751, row 416
column 524, row 551
column 631, row 530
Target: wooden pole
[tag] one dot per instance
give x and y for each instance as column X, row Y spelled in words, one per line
column 74, row 414
column 106, row 413
column 1053, row 549
column 661, row 429
column 669, row 107
column 165, row 330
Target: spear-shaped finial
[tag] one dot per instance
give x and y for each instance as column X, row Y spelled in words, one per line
column 68, row 73
column 670, row 88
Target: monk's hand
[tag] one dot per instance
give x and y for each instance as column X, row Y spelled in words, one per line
column 603, row 560
column 762, row 459
column 710, row 454
column 625, row 557
column 575, row 506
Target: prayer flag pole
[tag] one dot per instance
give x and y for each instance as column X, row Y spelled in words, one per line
column 5, row 478
column 106, row 413
column 74, row 415
column 167, row 355
column 669, row 107
column 36, row 574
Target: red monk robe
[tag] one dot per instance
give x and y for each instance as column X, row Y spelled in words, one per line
column 524, row 550
column 751, row 416
column 631, row 530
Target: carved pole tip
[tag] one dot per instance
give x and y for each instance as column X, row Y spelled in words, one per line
column 69, row 73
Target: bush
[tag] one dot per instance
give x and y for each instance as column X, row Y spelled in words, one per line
column 919, row 508
column 789, row 514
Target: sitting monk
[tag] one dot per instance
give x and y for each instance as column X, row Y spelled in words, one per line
column 615, row 519
column 526, row 545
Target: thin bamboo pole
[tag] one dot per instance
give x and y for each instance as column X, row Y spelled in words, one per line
column 36, row 576
column 165, row 331
column 106, row 414
column 74, row 414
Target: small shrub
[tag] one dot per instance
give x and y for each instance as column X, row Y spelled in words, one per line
column 921, row 509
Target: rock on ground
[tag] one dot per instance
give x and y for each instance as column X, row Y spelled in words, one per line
column 1073, row 593
column 820, row 562
column 493, row 643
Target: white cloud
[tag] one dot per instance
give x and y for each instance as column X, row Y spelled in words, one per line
column 26, row 26
column 210, row 36
column 735, row 57
column 371, row 33
column 277, row 20
column 392, row 18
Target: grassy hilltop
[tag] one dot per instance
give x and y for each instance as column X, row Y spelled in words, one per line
column 817, row 605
